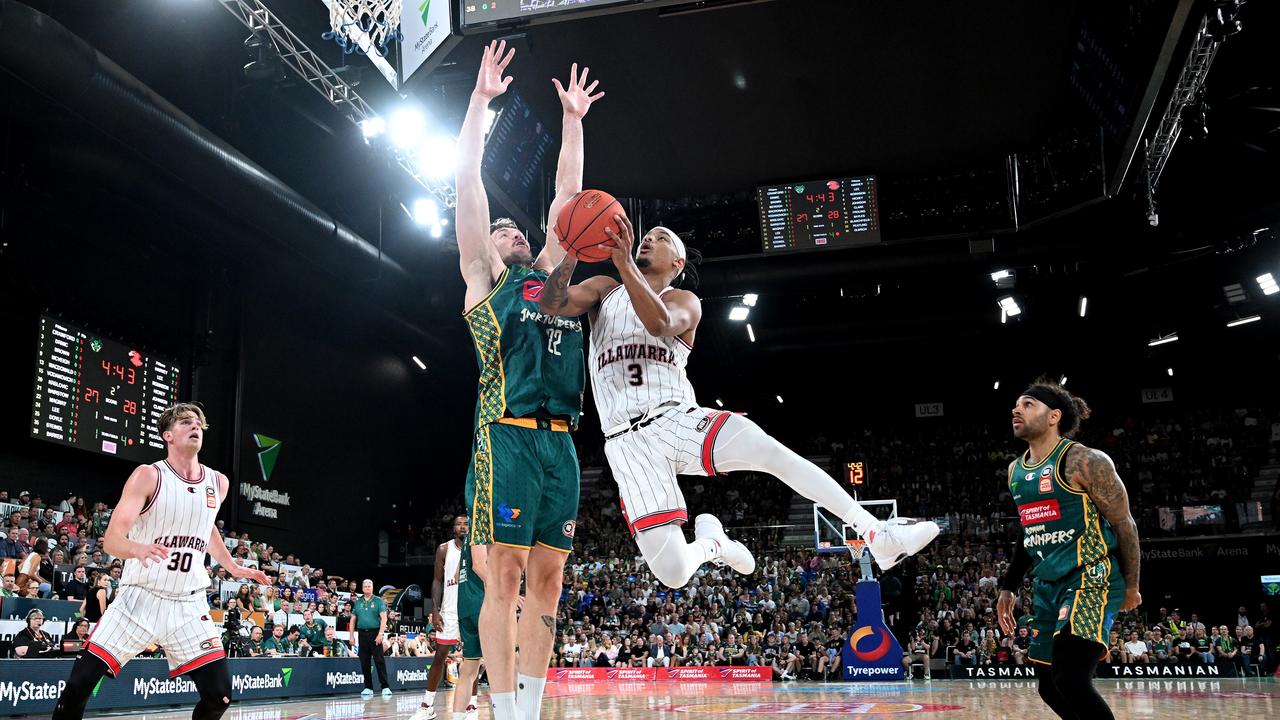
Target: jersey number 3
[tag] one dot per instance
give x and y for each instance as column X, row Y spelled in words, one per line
column 637, row 374
column 553, row 340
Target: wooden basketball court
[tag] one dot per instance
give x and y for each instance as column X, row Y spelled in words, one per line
column 1222, row 699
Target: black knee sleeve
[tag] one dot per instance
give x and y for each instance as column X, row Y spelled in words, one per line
column 85, row 674
column 1074, row 661
column 213, row 682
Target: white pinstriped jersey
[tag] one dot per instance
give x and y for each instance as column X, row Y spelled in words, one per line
column 631, row 370
column 452, row 561
column 180, row 516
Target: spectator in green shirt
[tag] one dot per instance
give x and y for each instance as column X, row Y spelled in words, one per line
column 313, row 628
column 330, row 646
column 278, row 644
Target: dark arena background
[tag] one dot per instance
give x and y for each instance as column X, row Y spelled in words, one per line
column 907, row 212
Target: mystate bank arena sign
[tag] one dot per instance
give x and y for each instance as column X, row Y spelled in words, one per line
column 260, row 503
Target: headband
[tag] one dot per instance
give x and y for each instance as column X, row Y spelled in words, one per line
column 1054, row 401
column 675, row 242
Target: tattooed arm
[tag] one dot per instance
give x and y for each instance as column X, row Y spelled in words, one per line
column 1092, row 471
column 560, row 298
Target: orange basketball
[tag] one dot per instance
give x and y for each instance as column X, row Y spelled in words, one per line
column 582, row 222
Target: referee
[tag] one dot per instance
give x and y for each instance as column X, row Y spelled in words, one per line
column 369, row 620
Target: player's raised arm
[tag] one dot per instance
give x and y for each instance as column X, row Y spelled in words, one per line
column 477, row 257
column 669, row 315
column 576, row 100
column 560, row 298
column 138, row 490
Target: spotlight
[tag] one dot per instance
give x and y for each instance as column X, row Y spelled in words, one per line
column 437, row 157
column 1009, row 306
column 750, row 299
column 373, row 127
column 1163, row 339
column 751, row 333
column 1268, row 284
column 407, row 128
column 739, row 313
column 719, row 403
column 1244, row 321
column 996, row 386
column 779, row 399
column 418, row 361
column 426, row 212
column 1170, row 372
column 1063, row 381
column 1084, row 305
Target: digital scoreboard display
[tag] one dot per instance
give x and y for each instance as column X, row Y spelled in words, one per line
column 97, row 394
column 479, row 12
column 819, row 214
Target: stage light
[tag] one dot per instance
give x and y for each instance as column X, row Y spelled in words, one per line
column 1244, row 321
column 1268, row 284
column 738, row 313
column 1163, row 339
column 418, row 361
column 1009, row 306
column 751, row 333
column 426, row 212
column 779, row 399
column 373, row 127
column 719, row 403
column 996, row 386
column 407, row 128
column 1170, row 372
column 1063, row 381
column 437, row 157
column 999, row 275
column 1084, row 305
column 750, row 299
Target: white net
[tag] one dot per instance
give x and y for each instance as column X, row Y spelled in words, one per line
column 364, row 25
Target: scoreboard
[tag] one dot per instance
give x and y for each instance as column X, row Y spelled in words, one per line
column 819, row 214
column 97, row 394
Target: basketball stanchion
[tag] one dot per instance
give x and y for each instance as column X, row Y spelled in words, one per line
column 871, row 652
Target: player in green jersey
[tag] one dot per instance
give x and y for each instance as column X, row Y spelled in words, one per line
column 471, row 571
column 1081, row 540
column 522, row 487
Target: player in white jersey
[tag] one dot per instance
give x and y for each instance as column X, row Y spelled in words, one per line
column 163, row 527
column 642, row 331
column 444, row 612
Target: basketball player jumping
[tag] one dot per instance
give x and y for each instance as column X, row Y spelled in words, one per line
column 163, row 527
column 1076, row 530
column 444, row 612
column 522, row 485
column 642, row 332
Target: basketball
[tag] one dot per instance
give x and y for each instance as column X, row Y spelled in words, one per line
column 582, row 222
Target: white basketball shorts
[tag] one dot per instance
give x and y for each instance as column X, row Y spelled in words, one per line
column 139, row 618
column 448, row 635
column 645, row 461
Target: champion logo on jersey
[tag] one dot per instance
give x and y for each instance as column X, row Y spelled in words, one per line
column 532, row 290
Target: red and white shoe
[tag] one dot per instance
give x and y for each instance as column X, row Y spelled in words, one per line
column 424, row 712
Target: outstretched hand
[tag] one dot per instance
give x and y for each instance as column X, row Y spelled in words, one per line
column 577, row 98
column 489, row 82
column 622, row 242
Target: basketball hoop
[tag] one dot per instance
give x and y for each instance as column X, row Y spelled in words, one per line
column 855, row 547
column 364, row 25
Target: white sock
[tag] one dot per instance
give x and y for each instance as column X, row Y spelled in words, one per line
column 529, row 695
column 459, row 716
column 504, row 706
column 474, row 702
column 672, row 560
column 742, row 445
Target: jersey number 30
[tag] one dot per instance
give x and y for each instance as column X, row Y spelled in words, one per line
column 180, row 562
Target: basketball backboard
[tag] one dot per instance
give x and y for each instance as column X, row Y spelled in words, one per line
column 831, row 534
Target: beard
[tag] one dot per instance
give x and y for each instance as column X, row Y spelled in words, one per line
column 643, row 262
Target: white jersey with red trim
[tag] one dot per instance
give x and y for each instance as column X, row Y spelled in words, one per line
column 179, row 516
column 452, row 561
column 632, row 371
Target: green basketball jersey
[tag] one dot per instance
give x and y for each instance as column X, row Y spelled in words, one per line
column 530, row 363
column 469, row 584
column 1062, row 528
